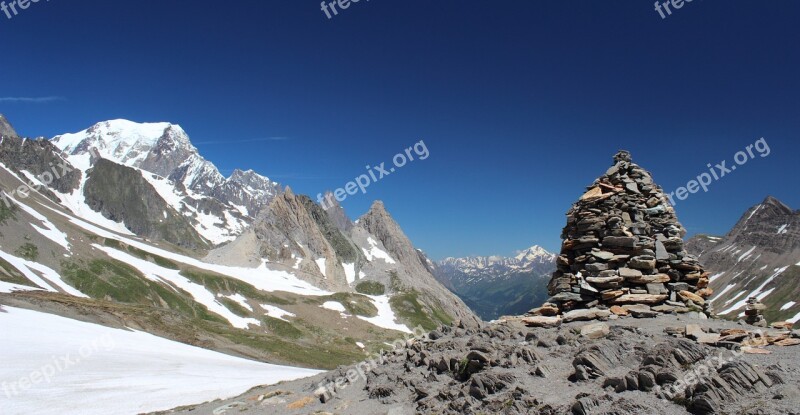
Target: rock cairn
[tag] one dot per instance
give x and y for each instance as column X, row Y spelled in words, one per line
column 623, row 246
column 754, row 313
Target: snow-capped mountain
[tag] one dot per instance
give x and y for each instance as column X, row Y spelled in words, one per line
column 496, row 285
column 759, row 257
column 115, row 221
column 219, row 208
column 533, row 259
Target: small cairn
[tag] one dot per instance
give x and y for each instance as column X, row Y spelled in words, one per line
column 754, row 313
column 623, row 248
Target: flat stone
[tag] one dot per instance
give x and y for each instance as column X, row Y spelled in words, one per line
column 629, row 273
column 604, row 280
column 693, row 330
column 640, row 298
column 755, row 350
column 609, row 295
column 639, row 307
column 657, row 289
column 650, row 279
column 542, row 321
column 708, row 338
column 603, row 255
column 585, row 315
column 666, row 309
column 643, row 313
column 688, row 296
column 544, row 311
column 617, row 310
column 619, row 242
column 595, row 331
column 661, row 251
column 642, row 262
column 678, row 286
column 596, row 267
column 788, row 342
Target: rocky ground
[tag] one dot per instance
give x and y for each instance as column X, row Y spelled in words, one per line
column 620, row 366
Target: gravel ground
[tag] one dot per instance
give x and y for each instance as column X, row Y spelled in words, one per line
column 511, row 369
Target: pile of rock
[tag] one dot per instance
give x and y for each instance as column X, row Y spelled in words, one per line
column 754, row 313
column 623, row 245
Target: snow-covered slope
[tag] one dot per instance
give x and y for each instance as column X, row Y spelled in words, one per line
column 55, row 365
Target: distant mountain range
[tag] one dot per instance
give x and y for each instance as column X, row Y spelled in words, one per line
column 140, row 230
column 494, row 286
column 759, row 257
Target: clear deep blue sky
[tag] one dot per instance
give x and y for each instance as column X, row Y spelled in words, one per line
column 521, row 104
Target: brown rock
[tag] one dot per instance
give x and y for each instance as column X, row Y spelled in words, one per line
column 595, row 331
column 650, row 279
column 788, row 342
column 542, row 321
column 640, row 298
column 689, row 296
column 618, row 310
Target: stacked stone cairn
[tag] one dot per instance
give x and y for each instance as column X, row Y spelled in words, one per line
column 623, row 246
column 754, row 313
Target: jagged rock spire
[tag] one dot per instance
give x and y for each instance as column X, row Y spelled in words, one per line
column 623, row 245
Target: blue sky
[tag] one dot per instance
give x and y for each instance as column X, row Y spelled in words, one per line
column 521, row 104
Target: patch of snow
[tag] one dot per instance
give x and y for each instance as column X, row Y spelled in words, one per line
column 8, row 288
column 360, row 345
column 174, row 278
column 321, row 265
column 745, row 255
column 782, row 229
column 42, row 276
column 334, row 306
column 794, row 319
column 49, row 231
column 276, row 312
column 788, row 305
column 725, row 290
column 376, row 253
column 753, row 213
column 757, row 292
column 261, row 278
column 118, row 371
column 715, row 276
column 239, row 299
column 350, row 272
column 386, row 317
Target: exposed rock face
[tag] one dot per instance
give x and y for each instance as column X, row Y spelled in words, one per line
column 297, row 233
column 121, row 194
column 623, row 245
column 495, row 286
column 6, row 130
column 416, row 271
column 760, row 257
column 41, row 159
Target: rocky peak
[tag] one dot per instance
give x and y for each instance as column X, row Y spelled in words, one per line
column 337, row 214
column 6, row 130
